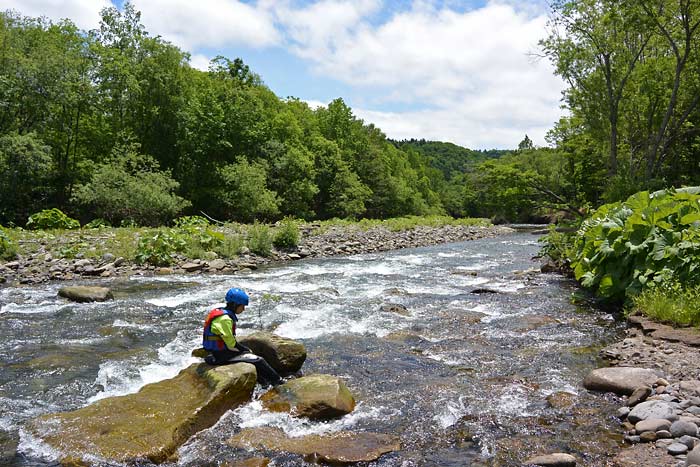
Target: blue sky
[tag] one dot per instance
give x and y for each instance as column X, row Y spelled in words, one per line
column 459, row 71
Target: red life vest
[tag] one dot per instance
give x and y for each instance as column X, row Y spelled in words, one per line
column 211, row 341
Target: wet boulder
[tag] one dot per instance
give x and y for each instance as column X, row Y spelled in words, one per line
column 318, row 397
column 334, row 448
column 396, row 308
column 152, row 423
column 286, row 356
column 620, row 380
column 84, row 293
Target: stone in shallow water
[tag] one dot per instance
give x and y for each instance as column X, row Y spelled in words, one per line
column 152, row 423
column 84, row 293
column 558, row 459
column 335, row 448
column 620, row 380
column 318, row 397
column 561, row 400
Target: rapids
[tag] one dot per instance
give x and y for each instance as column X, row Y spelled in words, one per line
column 462, row 379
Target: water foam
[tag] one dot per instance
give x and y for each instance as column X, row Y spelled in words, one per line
column 119, row 378
column 253, row 415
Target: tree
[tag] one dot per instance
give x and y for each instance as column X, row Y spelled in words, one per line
column 26, row 170
column 244, row 194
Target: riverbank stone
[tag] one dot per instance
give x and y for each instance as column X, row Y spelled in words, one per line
column 693, row 456
column 652, row 424
column 639, row 395
column 653, row 409
column 620, row 380
column 336, row 448
column 682, row 428
column 558, row 459
column 152, row 423
column 84, row 293
column 285, row 355
column 676, row 449
column 318, row 397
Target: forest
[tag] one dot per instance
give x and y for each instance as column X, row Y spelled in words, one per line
column 115, row 124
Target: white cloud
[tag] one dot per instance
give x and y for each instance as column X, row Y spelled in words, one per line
column 473, row 71
column 84, row 13
column 208, row 23
column 200, row 62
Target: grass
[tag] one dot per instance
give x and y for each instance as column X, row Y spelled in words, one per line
column 671, row 303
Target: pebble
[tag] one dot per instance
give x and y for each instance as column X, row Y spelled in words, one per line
column 647, row 436
column 664, row 443
column 663, row 434
column 677, row 448
column 622, row 412
column 689, row 441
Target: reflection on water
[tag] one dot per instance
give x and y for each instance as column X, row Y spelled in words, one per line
column 462, row 378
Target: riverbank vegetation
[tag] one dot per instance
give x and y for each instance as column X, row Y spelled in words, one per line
column 644, row 252
column 191, row 237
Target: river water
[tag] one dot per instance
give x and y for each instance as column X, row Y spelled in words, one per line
column 462, row 378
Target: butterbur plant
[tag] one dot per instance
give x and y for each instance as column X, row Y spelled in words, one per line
column 649, row 238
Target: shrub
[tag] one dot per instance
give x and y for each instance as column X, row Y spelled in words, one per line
column 650, row 238
column 8, row 248
column 51, row 219
column 159, row 249
column 186, row 221
column 97, row 224
column 259, row 239
column 287, row 235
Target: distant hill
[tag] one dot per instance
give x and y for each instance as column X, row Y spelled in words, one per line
column 449, row 157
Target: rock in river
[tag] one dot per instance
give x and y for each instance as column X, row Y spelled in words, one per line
column 619, row 379
column 286, row 356
column 335, row 448
column 83, row 293
column 152, row 423
column 318, row 397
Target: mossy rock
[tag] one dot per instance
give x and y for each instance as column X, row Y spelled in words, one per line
column 318, row 397
column 152, row 423
column 335, row 448
column 286, row 356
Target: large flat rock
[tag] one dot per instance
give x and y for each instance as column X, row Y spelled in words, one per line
column 334, row 448
column 152, row 423
column 620, row 379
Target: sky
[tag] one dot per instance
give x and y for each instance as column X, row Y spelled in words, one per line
column 469, row 72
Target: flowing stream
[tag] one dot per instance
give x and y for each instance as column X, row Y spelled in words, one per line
column 462, row 378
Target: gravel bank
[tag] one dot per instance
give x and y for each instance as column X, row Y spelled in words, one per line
column 43, row 267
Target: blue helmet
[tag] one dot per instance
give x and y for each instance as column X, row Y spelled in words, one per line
column 237, row 296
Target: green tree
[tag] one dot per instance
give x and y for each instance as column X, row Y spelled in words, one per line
column 244, row 193
column 26, row 170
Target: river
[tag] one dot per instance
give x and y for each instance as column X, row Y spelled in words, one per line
column 462, row 378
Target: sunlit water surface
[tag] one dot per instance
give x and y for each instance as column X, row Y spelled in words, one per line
column 462, row 379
